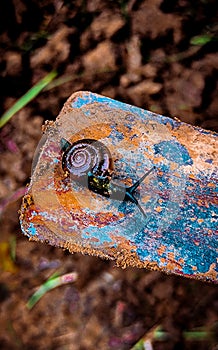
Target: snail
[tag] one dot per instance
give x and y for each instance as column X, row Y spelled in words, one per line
column 89, row 162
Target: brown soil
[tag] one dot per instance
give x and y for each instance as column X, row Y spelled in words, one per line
column 139, row 52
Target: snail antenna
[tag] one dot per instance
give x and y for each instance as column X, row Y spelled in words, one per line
column 132, row 188
column 64, row 144
column 141, row 210
column 130, row 191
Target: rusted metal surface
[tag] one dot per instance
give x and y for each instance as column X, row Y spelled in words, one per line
column 177, row 234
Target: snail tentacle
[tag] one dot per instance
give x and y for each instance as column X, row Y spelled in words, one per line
column 128, row 192
column 64, row 144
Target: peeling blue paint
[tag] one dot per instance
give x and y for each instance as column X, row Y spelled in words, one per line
column 116, row 135
column 173, row 151
column 102, row 236
column 32, row 230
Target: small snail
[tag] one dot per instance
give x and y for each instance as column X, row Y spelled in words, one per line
column 89, row 162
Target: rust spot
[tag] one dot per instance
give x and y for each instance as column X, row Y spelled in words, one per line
column 211, row 184
column 158, row 209
column 161, row 249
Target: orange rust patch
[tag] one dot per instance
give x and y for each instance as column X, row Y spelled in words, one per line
column 47, row 125
column 161, row 249
column 193, row 219
column 171, row 256
column 211, row 184
column 123, row 243
column 163, row 260
column 202, row 203
column 211, row 273
column 173, row 265
column 158, row 209
column 181, row 261
column 94, row 240
column 173, row 166
column 96, row 132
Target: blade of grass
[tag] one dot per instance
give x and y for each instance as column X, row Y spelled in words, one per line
column 201, row 39
column 158, row 334
column 27, row 97
column 60, row 81
column 197, row 335
column 67, row 78
column 145, row 343
column 53, row 282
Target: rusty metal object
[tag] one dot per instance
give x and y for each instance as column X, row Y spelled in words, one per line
column 177, row 234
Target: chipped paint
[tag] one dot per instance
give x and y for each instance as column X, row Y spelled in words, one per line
column 180, row 196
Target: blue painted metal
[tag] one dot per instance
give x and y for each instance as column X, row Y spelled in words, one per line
column 180, row 196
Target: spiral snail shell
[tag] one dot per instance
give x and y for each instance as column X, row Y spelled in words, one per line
column 89, row 162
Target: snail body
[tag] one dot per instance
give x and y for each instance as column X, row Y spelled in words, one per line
column 89, row 162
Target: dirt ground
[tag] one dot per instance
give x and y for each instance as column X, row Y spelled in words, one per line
column 157, row 54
